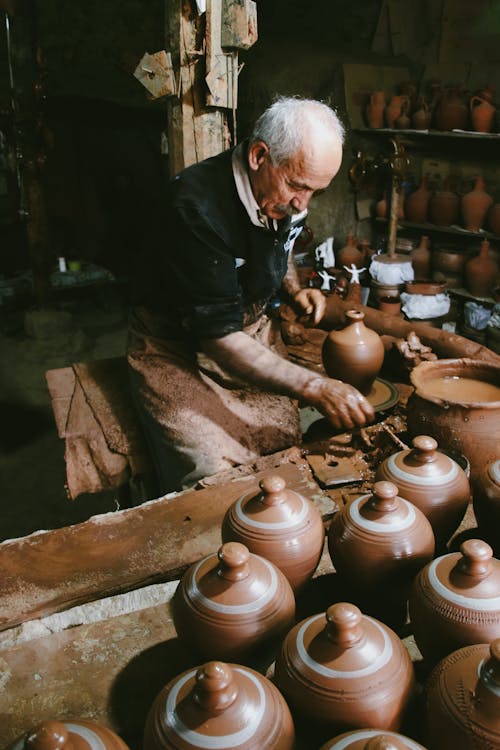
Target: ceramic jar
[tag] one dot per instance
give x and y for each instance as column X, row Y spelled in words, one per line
column 349, row 672
column 417, row 203
column 378, row 543
column 462, row 700
column 487, row 503
column 354, row 353
column 452, row 112
column 219, row 706
column 466, row 416
column 494, row 218
column 475, row 205
column 350, row 254
column 421, row 259
column 371, row 739
column 390, row 305
column 421, row 117
column 448, row 261
column 393, row 110
column 70, row 734
column 432, row 481
column 480, row 271
column 444, row 208
column 375, row 110
column 455, row 601
column 232, row 602
column 482, row 113
column 280, row 525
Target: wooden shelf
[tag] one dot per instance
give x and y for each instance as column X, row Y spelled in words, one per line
column 454, row 230
column 467, row 295
column 468, row 135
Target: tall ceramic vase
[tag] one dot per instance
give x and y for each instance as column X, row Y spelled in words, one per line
column 421, row 259
column 480, row 272
column 354, row 354
column 417, row 203
column 475, row 205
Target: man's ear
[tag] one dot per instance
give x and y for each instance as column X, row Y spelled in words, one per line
column 257, row 153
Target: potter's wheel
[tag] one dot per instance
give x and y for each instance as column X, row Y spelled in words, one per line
column 383, row 395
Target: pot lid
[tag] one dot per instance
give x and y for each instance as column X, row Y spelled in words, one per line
column 383, row 511
column 423, row 464
column 372, row 739
column 77, row 734
column 469, row 578
column 275, row 508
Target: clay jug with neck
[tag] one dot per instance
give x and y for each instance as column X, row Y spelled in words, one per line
column 421, row 117
column 404, row 120
column 482, row 113
column 444, row 206
column 452, row 112
column 393, row 110
column 421, row 259
column 375, row 110
column 355, row 353
column 475, row 205
column 350, row 253
column 417, row 203
column 480, row 272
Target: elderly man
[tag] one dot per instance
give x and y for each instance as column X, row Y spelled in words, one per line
column 208, row 368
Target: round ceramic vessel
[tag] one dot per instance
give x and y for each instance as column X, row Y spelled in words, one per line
column 463, row 700
column 432, row 481
column 349, row 672
column 219, row 707
column 230, row 603
column 70, row 734
column 372, row 739
column 487, row 503
column 280, row 525
column 455, row 601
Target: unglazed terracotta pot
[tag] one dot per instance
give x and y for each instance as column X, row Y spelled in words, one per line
column 466, row 424
column 371, row 739
column 482, row 113
column 347, row 673
column 455, row 601
column 393, row 109
column 218, row 707
column 487, row 503
column 354, row 353
column 70, row 734
column 452, row 111
column 494, row 218
column 480, row 272
column 375, row 110
column 280, row 525
column 421, row 259
column 417, row 203
column 232, row 602
column 462, row 700
column 378, row 543
column 448, row 260
column 444, row 208
column 475, row 205
column 432, row 481
column 349, row 253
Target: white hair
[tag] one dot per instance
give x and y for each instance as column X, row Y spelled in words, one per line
column 284, row 125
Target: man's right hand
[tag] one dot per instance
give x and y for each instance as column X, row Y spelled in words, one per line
column 342, row 404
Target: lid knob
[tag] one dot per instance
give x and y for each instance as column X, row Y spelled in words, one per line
column 476, row 557
column 215, row 688
column 384, row 498
column 424, row 449
column 50, row 735
column 273, row 490
column 234, row 559
column 344, row 624
column 384, row 742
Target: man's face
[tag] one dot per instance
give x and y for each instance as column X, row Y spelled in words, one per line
column 287, row 189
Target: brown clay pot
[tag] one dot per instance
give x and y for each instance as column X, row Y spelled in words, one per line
column 375, row 110
column 390, row 305
column 381, row 208
column 480, row 271
column 421, row 259
column 452, row 111
column 280, row 525
column 70, row 734
column 350, row 253
column 482, row 113
column 444, row 208
column 494, row 218
column 371, row 739
column 448, row 260
column 349, row 672
column 354, row 354
column 417, row 203
column 231, row 603
column 455, row 601
column 378, row 543
column 462, row 701
column 393, row 110
column 219, row 706
column 487, row 503
column 475, row 205
column 421, row 286
column 432, row 481
column 422, row 116
column 469, row 423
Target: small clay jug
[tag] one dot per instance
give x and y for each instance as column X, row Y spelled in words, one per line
column 417, row 203
column 393, row 110
column 487, row 503
column 432, row 481
column 349, row 672
column 403, row 121
column 462, row 700
column 421, row 259
column 354, row 354
column 377, row 543
column 421, row 117
column 375, row 110
column 280, row 525
column 367, row 251
column 475, row 205
column 372, row 739
column 219, row 706
column 482, row 113
column 480, row 271
column 231, row 603
column 350, row 253
column 494, row 218
column 452, row 111
column 444, row 207
column 70, row 734
column 455, row 601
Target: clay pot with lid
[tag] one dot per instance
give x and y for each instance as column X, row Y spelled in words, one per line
column 354, row 353
column 455, row 600
column 230, row 603
column 219, row 706
column 348, row 672
column 378, row 543
column 462, row 700
column 280, row 525
column 70, row 734
column 432, row 481
column 372, row 739
column 487, row 503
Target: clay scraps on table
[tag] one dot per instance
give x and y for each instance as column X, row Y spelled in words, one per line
column 413, row 351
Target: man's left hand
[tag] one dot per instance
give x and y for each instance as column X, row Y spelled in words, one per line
column 313, row 303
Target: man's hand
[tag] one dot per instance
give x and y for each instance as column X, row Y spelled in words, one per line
column 342, row 404
column 312, row 301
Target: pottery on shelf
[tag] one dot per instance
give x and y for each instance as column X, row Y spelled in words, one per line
column 230, row 603
column 375, row 110
column 417, row 203
column 455, row 601
column 452, row 111
column 462, row 700
column 219, row 706
column 486, row 503
column 280, row 525
column 377, row 543
column 457, row 401
column 475, row 205
column 422, row 116
column 70, row 734
column 432, row 481
column 480, row 271
column 494, row 218
column 381, row 207
column 348, row 672
column 393, row 109
column 354, row 353
column 482, row 113
column 349, row 253
column 421, row 259
column 427, row 288
column 447, row 260
column 444, row 208
column 371, row 739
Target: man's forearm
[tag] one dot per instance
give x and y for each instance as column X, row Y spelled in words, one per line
column 291, row 283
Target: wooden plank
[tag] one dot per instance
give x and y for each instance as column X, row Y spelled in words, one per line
column 50, row 571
